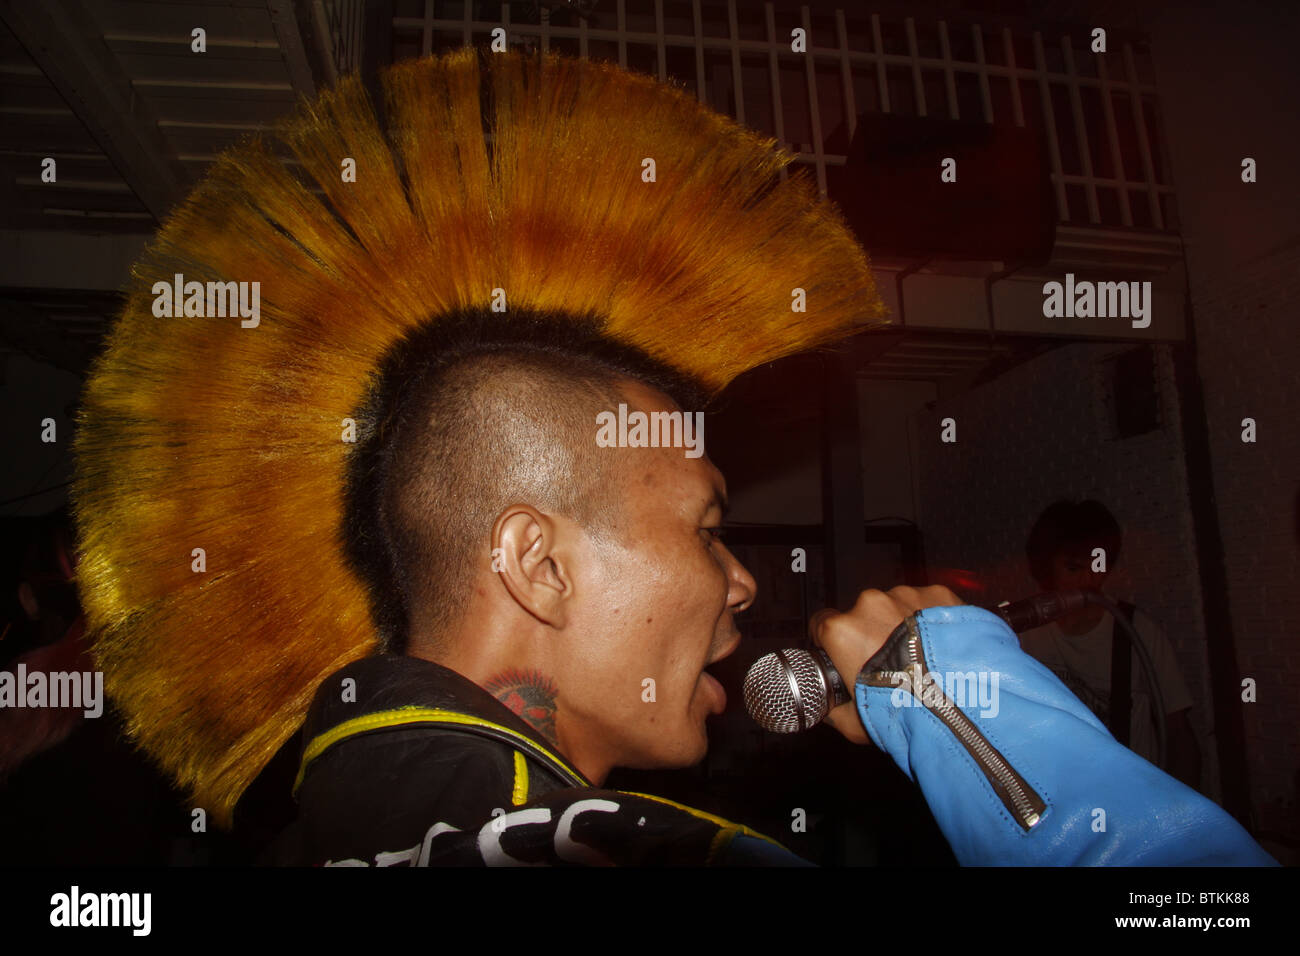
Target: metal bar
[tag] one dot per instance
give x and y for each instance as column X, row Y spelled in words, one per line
column 1049, row 120
column 948, row 77
column 1009, row 50
column 1108, row 181
column 359, row 31
column 846, row 76
column 204, row 124
column 701, row 89
column 659, row 40
column 737, row 77
column 882, row 79
column 426, row 29
column 1144, row 145
column 320, row 29
column 224, row 42
column 1081, row 129
column 1112, row 134
column 293, row 45
column 986, row 95
column 622, row 34
column 778, row 114
column 814, row 108
column 213, row 85
column 918, row 85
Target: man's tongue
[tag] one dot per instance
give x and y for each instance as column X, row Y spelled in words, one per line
column 714, row 689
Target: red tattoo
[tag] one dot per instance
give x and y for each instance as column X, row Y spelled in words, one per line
column 530, row 694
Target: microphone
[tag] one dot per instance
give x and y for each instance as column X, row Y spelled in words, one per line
column 793, row 690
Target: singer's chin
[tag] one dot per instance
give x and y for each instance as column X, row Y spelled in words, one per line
column 685, row 750
column 680, row 760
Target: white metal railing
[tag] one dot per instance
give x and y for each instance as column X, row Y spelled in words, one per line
column 346, row 23
column 859, row 57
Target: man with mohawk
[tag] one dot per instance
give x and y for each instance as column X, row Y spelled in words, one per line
column 380, row 514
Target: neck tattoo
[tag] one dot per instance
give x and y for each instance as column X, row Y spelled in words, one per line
column 530, row 694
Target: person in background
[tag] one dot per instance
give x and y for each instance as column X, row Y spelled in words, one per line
column 1078, row 647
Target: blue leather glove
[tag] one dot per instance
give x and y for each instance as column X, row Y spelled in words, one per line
column 1016, row 770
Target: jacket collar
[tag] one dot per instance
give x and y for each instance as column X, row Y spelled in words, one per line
column 390, row 692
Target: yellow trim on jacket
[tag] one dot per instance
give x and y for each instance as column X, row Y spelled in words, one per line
column 401, row 716
column 519, row 796
column 727, row 829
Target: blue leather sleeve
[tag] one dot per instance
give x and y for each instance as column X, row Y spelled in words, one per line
column 1104, row 805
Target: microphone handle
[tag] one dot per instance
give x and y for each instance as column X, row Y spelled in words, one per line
column 1040, row 609
column 836, row 692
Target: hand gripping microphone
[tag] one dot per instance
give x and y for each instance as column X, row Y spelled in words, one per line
column 792, row 690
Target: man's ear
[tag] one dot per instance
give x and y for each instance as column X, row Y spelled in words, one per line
column 526, row 556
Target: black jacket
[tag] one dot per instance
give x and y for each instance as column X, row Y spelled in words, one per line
column 405, row 762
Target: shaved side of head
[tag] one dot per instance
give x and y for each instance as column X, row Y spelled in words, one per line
column 468, row 416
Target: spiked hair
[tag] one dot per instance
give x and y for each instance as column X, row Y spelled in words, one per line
column 503, row 172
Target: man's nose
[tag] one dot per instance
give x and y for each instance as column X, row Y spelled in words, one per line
column 743, row 588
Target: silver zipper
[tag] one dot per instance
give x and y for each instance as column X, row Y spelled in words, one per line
column 1017, row 796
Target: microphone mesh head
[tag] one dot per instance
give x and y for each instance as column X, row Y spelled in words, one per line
column 770, row 699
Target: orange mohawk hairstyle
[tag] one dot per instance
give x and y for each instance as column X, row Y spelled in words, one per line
column 209, row 491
